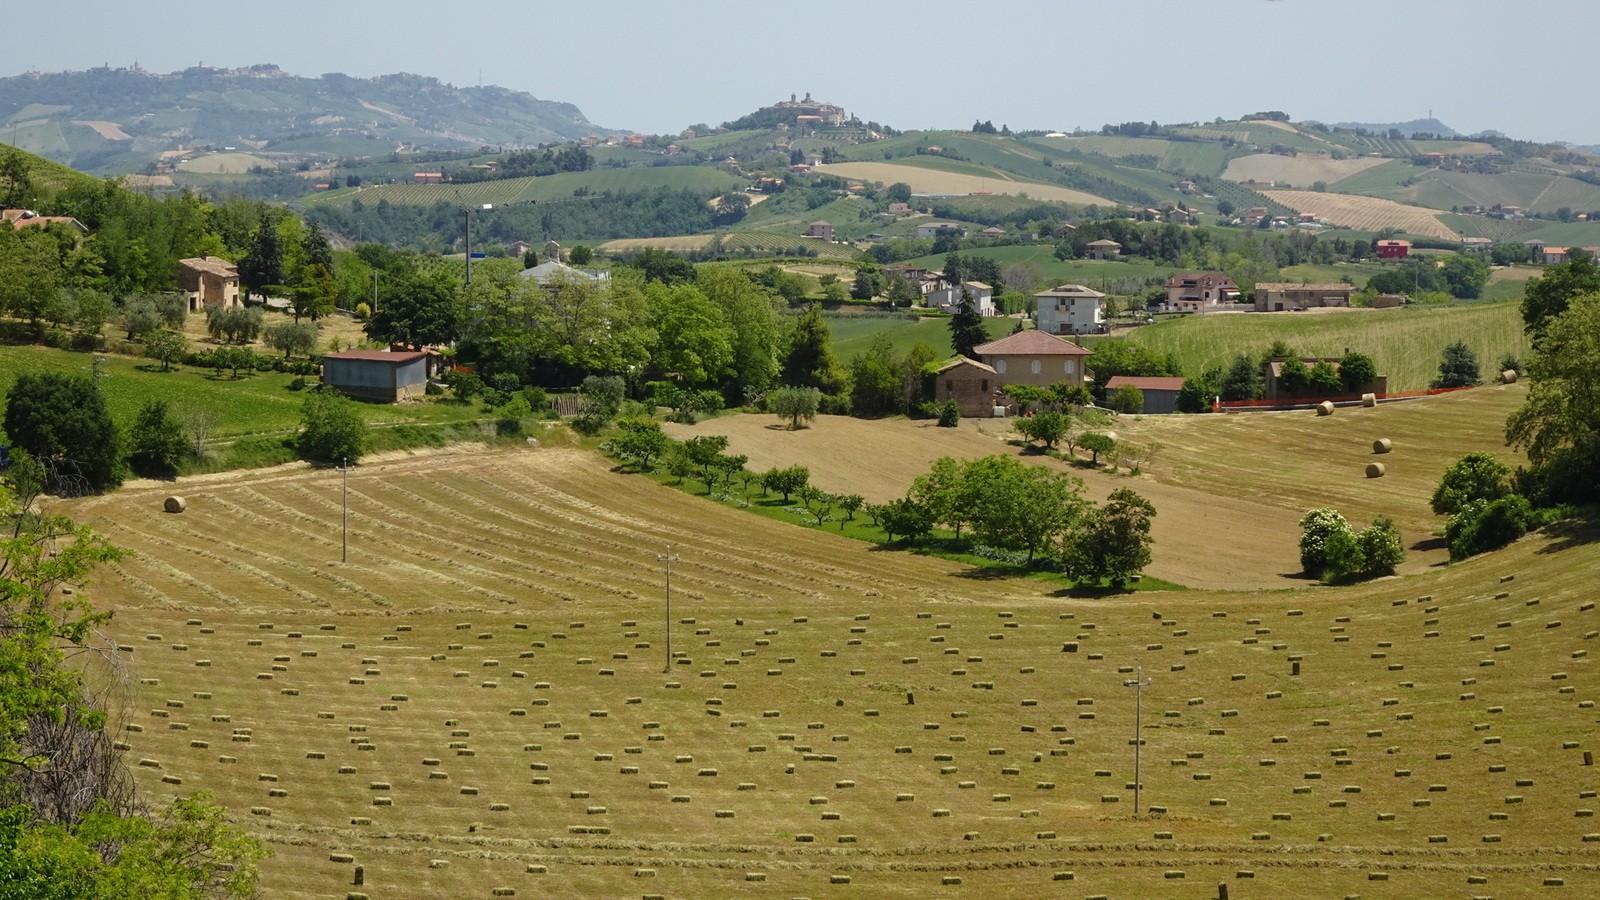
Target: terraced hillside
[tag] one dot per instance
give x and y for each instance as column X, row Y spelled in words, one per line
column 475, row 704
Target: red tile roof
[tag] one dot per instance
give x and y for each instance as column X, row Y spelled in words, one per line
column 1031, row 343
column 1146, row 384
column 384, row 356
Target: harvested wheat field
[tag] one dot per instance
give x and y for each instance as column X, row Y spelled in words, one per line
column 1366, row 213
column 878, row 460
column 1304, row 170
column 937, row 181
column 475, row 704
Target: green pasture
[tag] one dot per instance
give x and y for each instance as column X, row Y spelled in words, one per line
column 1406, row 343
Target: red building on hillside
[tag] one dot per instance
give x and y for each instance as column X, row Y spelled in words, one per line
column 1394, row 249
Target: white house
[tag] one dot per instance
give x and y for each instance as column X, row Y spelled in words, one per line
column 1069, row 309
column 948, row 297
column 937, row 229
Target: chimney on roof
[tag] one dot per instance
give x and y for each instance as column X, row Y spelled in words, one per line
column 204, row 255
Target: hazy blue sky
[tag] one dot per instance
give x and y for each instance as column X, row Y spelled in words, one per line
column 660, row 65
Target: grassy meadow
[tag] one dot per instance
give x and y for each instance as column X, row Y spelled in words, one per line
column 1406, row 343
column 475, row 703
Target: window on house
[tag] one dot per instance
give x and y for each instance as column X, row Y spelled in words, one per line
column 1036, row 367
column 986, row 385
column 1000, row 366
column 1067, row 367
column 950, row 385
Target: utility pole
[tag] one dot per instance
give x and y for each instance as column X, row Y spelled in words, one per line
column 668, row 559
column 1138, row 683
column 344, row 524
column 468, row 214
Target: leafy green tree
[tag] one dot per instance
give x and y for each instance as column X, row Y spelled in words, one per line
column 1197, row 392
column 1342, row 555
column 1464, row 275
column 1119, row 356
column 662, row 266
column 1317, row 527
column 1114, row 543
column 262, row 267
column 1457, row 368
column 1097, row 443
column 317, row 250
column 92, row 311
column 904, row 517
column 1381, row 547
column 580, row 255
column 165, row 347
column 1356, row 371
column 63, row 424
column 696, row 343
column 138, row 317
column 1019, row 507
column 1552, row 292
column 810, row 361
column 640, row 440
column 949, row 413
column 851, row 504
column 899, row 192
column 331, row 429
column 797, row 404
column 234, row 359
column 944, row 493
column 1047, row 427
column 877, row 381
column 602, row 400
column 234, row 325
column 1242, row 380
column 1126, row 399
column 417, row 310
column 786, row 481
column 1294, row 379
column 157, row 442
column 1559, row 423
column 315, row 294
column 703, row 451
column 291, row 338
column 756, row 334
column 1483, row 525
column 966, row 327
column 1475, row 476
column 1324, row 379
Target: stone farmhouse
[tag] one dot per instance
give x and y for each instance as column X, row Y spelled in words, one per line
column 1069, row 309
column 1104, row 249
column 821, row 229
column 1272, row 296
column 1027, row 357
column 209, row 281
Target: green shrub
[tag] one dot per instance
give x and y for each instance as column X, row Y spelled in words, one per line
column 1316, row 528
column 1484, row 525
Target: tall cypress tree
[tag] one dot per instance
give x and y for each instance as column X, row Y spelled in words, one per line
column 262, row 265
column 966, row 327
column 810, row 362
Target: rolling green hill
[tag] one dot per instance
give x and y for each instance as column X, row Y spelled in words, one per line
column 541, row 188
column 97, row 119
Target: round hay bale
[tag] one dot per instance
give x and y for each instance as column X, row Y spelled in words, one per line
column 1325, row 408
column 175, row 504
column 1509, row 376
column 1382, row 445
column 1374, row 470
column 1369, row 400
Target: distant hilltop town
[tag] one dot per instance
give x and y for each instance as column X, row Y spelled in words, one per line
column 808, row 111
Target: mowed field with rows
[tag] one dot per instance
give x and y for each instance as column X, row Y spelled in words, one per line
column 927, row 180
column 475, row 704
column 1365, row 213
